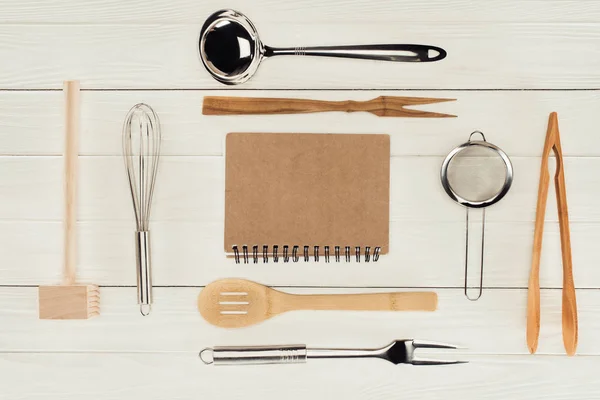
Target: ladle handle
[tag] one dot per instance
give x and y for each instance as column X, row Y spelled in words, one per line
column 384, row 52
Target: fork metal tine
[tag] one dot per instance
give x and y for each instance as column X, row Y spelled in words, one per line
column 432, row 361
column 422, row 344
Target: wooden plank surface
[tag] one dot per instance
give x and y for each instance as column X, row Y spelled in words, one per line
column 481, row 56
column 427, row 254
column 187, row 132
column 510, row 64
column 276, row 12
column 192, row 189
column 493, row 325
column 183, row 376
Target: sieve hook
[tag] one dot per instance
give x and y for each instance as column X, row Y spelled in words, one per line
column 475, row 132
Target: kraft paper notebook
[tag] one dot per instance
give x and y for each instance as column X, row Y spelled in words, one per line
column 291, row 197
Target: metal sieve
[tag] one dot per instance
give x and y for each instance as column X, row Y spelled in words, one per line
column 476, row 174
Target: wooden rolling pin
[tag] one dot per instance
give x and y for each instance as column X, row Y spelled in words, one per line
column 382, row 106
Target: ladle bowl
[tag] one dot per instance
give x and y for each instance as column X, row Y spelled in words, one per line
column 231, row 50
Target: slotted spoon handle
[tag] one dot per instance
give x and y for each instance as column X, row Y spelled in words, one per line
column 403, row 301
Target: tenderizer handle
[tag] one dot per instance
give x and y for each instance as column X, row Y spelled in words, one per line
column 71, row 91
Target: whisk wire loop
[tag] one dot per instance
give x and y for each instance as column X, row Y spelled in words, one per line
column 141, row 150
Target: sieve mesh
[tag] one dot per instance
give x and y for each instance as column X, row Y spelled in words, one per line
column 476, row 173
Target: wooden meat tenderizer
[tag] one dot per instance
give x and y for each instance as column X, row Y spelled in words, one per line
column 70, row 300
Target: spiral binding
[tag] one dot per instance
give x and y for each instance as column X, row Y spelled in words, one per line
column 245, row 255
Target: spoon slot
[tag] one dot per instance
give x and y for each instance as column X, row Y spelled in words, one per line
column 234, row 293
column 233, row 312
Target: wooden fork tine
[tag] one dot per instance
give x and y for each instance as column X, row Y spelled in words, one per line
column 393, row 106
column 424, row 100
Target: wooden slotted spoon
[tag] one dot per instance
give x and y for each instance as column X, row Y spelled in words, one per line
column 236, row 303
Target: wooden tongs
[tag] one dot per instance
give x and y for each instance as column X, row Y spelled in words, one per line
column 569, row 304
column 382, row 106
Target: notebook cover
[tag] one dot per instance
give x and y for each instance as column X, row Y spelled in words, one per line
column 307, row 189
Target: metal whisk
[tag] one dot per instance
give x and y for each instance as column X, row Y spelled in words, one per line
column 141, row 150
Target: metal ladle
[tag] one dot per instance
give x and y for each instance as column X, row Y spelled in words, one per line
column 231, row 50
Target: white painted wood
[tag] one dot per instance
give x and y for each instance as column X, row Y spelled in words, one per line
column 189, row 11
column 502, row 44
column 481, row 56
column 424, row 254
column 183, row 376
column 493, row 325
column 192, row 189
column 31, row 122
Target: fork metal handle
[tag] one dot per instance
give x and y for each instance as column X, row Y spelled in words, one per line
column 252, row 355
column 285, row 354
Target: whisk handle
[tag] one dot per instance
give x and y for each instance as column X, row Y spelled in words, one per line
column 144, row 278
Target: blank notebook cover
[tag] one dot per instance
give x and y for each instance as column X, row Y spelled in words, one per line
column 307, row 190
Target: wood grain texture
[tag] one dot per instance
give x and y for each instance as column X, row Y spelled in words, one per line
column 275, row 12
column 382, row 106
column 73, row 301
column 493, row 325
column 100, row 56
column 187, row 253
column 31, row 123
column 113, row 376
column 181, row 193
column 569, row 302
column 506, row 44
column 69, row 300
column 238, row 303
column 569, row 306
column 70, row 179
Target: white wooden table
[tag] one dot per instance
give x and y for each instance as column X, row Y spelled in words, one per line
column 510, row 63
